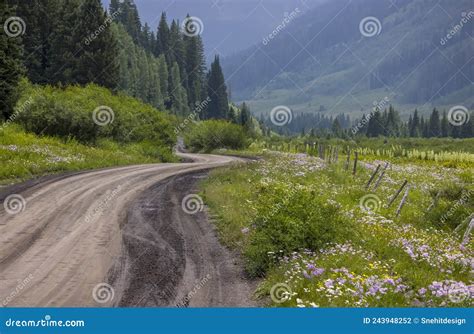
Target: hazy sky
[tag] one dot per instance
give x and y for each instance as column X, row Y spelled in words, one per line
column 229, row 25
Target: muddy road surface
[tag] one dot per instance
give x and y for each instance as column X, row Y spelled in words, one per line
column 128, row 236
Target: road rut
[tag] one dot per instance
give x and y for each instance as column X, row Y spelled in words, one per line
column 120, row 226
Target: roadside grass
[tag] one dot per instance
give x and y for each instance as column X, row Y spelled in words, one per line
column 24, row 155
column 312, row 230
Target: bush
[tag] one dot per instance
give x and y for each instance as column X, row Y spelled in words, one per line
column 289, row 221
column 209, row 135
column 69, row 113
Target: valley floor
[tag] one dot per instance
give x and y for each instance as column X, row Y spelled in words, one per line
column 320, row 238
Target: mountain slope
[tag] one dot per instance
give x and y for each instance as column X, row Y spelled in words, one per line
column 322, row 60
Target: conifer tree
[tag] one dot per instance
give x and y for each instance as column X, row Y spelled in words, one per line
column 96, row 60
column 415, row 125
column 245, row 117
column 218, row 107
column 374, row 128
column 114, row 7
column 444, row 125
column 164, row 74
column 39, row 17
column 62, row 53
column 163, row 39
column 434, row 124
column 177, row 52
column 195, row 69
column 178, row 97
column 11, row 67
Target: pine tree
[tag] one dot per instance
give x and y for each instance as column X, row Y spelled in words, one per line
column 11, row 67
column 62, row 53
column 177, row 52
column 415, row 125
column 163, row 74
column 130, row 18
column 114, row 7
column 178, row 97
column 39, row 18
column 444, row 125
column 97, row 59
column 245, row 117
column 195, row 68
column 217, row 91
column 146, row 38
column 163, row 39
column 374, row 128
column 336, row 127
column 391, row 125
column 434, row 124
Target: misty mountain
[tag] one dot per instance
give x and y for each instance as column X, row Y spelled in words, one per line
column 228, row 25
column 411, row 53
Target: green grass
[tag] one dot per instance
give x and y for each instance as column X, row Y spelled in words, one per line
column 24, row 155
column 289, row 212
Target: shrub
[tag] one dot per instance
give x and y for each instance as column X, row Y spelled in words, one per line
column 289, row 221
column 69, row 113
column 213, row 134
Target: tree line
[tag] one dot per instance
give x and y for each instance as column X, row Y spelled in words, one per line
column 386, row 123
column 76, row 42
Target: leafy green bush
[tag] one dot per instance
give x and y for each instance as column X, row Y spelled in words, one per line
column 90, row 113
column 209, row 135
column 289, row 220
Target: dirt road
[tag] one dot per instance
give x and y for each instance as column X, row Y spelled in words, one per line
column 117, row 237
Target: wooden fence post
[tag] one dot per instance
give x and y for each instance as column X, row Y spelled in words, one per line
column 381, row 176
column 397, row 193
column 356, row 158
column 348, row 161
column 372, row 177
column 402, row 203
column 465, row 238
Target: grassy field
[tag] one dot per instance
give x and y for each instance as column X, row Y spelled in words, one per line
column 25, row 155
column 318, row 237
column 74, row 128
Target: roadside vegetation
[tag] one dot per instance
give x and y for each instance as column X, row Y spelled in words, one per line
column 57, row 129
column 24, row 155
column 213, row 134
column 318, row 237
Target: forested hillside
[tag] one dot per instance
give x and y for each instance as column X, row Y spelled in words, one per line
column 77, row 42
column 419, row 55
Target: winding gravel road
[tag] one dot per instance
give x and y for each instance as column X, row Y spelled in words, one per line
column 117, row 237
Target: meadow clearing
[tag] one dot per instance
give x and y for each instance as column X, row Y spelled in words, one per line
column 320, row 237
